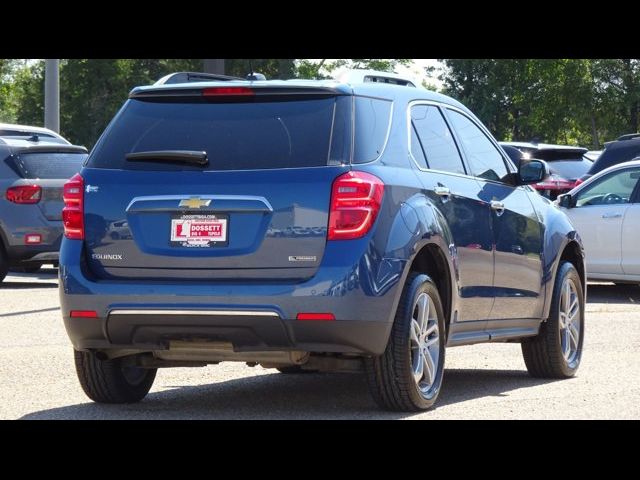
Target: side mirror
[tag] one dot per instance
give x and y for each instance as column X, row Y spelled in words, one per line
column 565, row 200
column 532, row 171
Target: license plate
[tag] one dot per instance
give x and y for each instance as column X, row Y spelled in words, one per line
column 199, row 231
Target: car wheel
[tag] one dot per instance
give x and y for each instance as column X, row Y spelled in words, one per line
column 4, row 264
column 408, row 375
column 108, row 381
column 557, row 349
column 294, row 369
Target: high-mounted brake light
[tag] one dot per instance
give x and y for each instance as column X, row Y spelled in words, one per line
column 73, row 211
column 24, row 194
column 227, row 92
column 355, row 203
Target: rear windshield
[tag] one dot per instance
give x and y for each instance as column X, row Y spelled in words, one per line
column 558, row 155
column 570, row 169
column 623, row 151
column 49, row 165
column 235, row 136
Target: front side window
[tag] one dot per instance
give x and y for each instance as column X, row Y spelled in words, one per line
column 437, row 142
column 613, row 189
column 484, row 159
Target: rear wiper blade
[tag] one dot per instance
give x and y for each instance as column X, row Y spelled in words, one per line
column 179, row 156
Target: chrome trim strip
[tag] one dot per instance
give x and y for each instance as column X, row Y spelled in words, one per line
column 245, row 313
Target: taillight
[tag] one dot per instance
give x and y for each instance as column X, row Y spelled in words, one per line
column 578, row 182
column 73, row 211
column 355, row 203
column 24, row 194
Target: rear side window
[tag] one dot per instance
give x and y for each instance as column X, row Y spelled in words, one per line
column 484, row 159
column 236, row 136
column 371, row 127
column 435, row 137
column 49, row 165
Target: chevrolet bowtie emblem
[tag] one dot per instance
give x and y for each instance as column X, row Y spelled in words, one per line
column 195, row 202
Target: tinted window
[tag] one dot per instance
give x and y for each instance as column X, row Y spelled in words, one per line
column 570, row 169
column 614, row 188
column 616, row 153
column 416, row 148
column 485, row 160
column 49, row 165
column 372, row 125
column 437, row 142
column 236, row 136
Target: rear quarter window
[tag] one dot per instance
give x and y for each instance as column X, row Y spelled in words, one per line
column 372, row 120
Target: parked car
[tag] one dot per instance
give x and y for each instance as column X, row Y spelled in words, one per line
column 431, row 238
column 625, row 149
column 606, row 211
column 567, row 164
column 34, row 134
column 32, row 173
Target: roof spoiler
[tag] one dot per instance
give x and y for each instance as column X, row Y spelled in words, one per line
column 52, row 148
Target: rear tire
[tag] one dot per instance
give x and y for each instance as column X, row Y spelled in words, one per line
column 4, row 264
column 107, row 381
column 408, row 375
column 557, row 349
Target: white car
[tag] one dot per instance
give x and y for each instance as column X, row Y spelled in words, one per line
column 605, row 211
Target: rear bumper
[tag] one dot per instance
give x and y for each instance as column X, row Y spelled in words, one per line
column 144, row 315
column 247, row 333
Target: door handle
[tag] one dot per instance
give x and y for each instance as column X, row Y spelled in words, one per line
column 442, row 191
column 611, row 215
column 497, row 207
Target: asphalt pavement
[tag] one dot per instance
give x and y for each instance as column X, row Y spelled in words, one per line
column 38, row 380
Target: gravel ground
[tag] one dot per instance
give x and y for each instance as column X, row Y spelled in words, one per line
column 38, row 381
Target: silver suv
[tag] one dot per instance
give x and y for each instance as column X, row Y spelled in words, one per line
column 34, row 165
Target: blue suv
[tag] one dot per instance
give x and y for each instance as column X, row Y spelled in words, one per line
column 310, row 226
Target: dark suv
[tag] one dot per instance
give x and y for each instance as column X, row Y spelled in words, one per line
column 310, row 226
column 624, row 149
column 33, row 169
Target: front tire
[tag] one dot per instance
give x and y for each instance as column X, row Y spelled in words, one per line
column 557, row 349
column 108, row 381
column 408, row 375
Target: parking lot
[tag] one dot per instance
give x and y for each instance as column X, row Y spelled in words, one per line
column 38, row 381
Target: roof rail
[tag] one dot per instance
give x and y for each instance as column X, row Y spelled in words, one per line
column 357, row 75
column 187, row 77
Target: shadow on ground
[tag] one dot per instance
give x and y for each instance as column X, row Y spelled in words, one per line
column 611, row 293
column 277, row 396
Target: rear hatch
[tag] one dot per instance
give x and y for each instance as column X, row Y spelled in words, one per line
column 567, row 163
column 234, row 185
column 49, row 167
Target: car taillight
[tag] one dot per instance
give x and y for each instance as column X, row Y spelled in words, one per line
column 578, row 182
column 24, row 194
column 73, row 211
column 355, row 202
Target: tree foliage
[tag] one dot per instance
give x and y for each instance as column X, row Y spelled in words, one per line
column 577, row 101
column 573, row 101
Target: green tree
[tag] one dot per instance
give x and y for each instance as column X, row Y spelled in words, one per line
column 322, row 68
